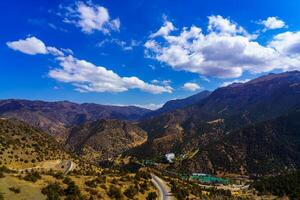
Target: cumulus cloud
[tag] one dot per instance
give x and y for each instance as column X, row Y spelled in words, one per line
column 54, row 51
column 272, row 23
column 91, row 17
column 287, row 43
column 30, row 45
column 33, row 46
column 87, row 77
column 222, row 25
column 191, row 86
column 163, row 82
column 225, row 51
column 164, row 30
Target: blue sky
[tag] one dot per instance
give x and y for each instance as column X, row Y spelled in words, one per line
column 138, row 52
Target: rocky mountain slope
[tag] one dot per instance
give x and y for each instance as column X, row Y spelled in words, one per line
column 22, row 145
column 224, row 110
column 179, row 103
column 56, row 117
column 104, row 139
column 266, row 147
column 33, row 165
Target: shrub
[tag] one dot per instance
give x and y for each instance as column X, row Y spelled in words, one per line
column 179, row 192
column 73, row 192
column 4, row 169
column 32, row 176
column 14, row 189
column 103, row 186
column 131, row 192
column 94, row 182
column 58, row 175
column 67, row 181
column 142, row 174
column 144, row 185
column 53, row 191
column 114, row 192
column 280, row 185
column 151, row 196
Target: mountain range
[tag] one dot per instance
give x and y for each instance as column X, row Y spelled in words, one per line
column 57, row 117
column 215, row 118
column 245, row 128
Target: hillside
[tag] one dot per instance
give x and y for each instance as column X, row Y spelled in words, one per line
column 23, row 146
column 104, row 139
column 34, row 166
column 271, row 146
column 224, row 110
column 179, row 103
column 56, row 117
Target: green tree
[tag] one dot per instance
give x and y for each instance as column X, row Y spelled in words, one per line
column 151, row 196
column 131, row 192
column 53, row 191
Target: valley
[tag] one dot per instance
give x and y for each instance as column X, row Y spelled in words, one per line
column 220, row 145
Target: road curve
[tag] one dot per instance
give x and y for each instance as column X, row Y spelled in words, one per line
column 163, row 188
column 70, row 166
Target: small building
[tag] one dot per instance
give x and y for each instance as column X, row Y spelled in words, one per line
column 170, row 157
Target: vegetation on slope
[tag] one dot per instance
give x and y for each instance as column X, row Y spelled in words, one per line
column 281, row 185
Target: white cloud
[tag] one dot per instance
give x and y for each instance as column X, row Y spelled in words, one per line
column 217, row 23
column 191, row 86
column 225, row 51
column 33, row 46
column 125, row 46
column 54, row 51
column 226, row 83
column 164, row 30
column 272, row 23
column 30, row 45
column 287, row 43
column 150, row 106
column 87, row 77
column 90, row 18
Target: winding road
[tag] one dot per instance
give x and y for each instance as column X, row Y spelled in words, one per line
column 70, row 166
column 163, row 188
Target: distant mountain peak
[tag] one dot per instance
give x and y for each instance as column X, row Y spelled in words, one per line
column 180, row 103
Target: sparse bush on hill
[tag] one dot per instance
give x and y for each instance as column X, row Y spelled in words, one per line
column 14, row 189
column 142, row 174
column 67, row 180
column 32, row 176
column 151, row 196
column 53, row 191
column 281, row 185
column 131, row 192
column 1, row 196
column 179, row 192
column 94, row 182
column 73, row 192
column 4, row 169
column 115, row 192
column 58, row 175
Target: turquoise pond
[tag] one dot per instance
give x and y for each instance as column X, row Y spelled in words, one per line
column 209, row 179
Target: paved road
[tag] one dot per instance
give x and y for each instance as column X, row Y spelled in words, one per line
column 163, row 188
column 70, row 166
